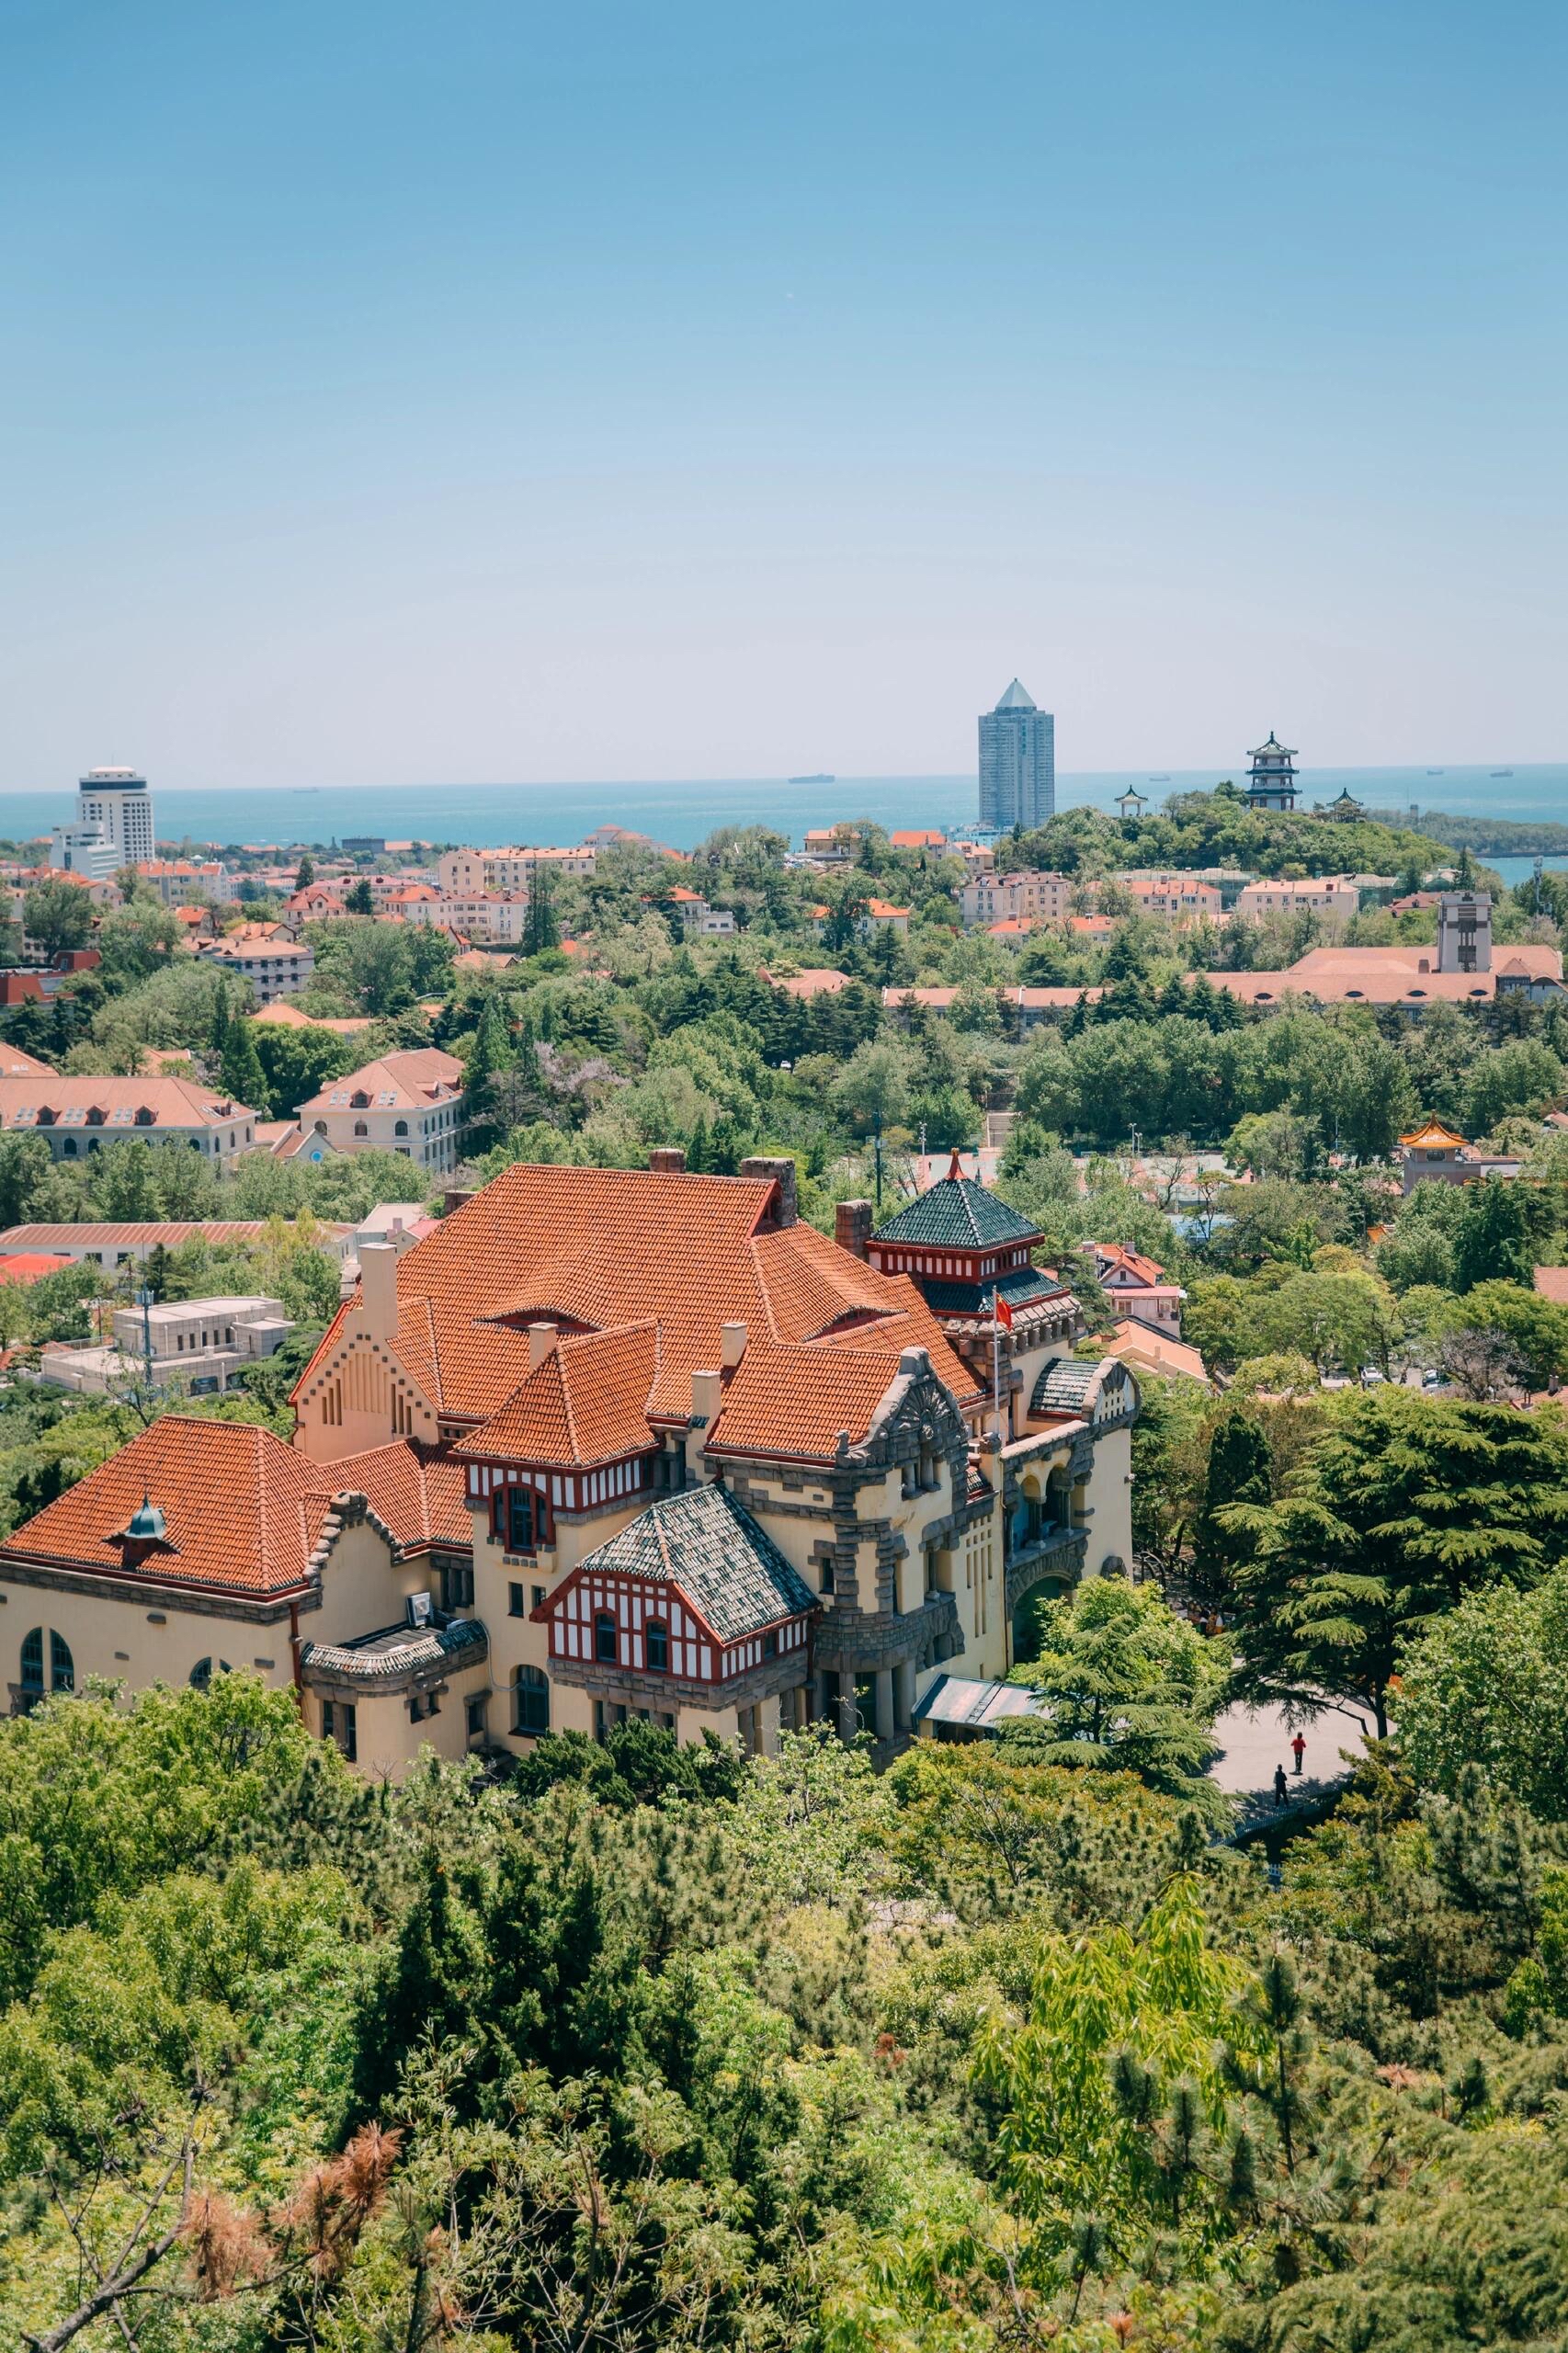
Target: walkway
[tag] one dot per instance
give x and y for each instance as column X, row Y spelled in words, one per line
column 1252, row 1741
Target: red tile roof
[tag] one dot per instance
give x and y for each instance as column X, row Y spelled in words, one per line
column 243, row 1512
column 587, row 1402
column 608, row 1251
column 29, row 1265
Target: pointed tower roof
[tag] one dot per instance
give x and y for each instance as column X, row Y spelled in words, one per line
column 1018, row 698
column 957, row 1213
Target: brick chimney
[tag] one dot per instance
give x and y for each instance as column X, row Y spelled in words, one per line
column 541, row 1344
column 667, row 1160
column 852, row 1226
column 783, row 1172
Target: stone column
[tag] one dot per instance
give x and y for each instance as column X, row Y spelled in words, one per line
column 884, row 1703
column 903, row 1695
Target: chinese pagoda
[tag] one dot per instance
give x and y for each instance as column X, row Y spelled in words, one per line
column 1271, row 783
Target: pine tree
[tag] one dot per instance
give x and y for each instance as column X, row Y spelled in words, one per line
column 1239, row 1471
column 218, row 1035
column 240, row 1067
column 541, row 924
column 360, row 900
column 307, row 873
column 489, row 1054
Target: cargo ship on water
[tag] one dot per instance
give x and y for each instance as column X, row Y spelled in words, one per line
column 824, row 778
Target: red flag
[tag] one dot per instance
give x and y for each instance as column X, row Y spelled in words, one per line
column 1004, row 1312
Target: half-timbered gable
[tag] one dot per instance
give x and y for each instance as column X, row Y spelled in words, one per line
column 691, row 1602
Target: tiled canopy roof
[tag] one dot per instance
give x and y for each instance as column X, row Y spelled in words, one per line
column 1020, row 1286
column 708, row 1548
column 243, row 1513
column 957, row 1214
column 600, row 1250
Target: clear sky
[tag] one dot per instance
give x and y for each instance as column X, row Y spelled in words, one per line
column 397, row 391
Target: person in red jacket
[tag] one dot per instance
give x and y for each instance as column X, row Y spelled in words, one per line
column 1298, row 1750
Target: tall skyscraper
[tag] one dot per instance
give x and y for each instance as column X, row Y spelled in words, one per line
column 1017, row 763
column 117, row 801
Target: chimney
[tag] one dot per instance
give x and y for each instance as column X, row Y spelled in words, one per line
column 667, row 1160
column 783, row 1174
column 454, row 1196
column 541, row 1344
column 913, row 1362
column 707, row 1396
column 732, row 1345
column 378, row 1289
column 852, row 1226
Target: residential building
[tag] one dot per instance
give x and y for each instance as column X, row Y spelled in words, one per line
column 28, row 1266
column 76, row 1116
column 132, row 1243
column 698, row 917
column 831, row 845
column 1017, row 763
column 176, row 879
column 1434, row 1154
column 208, row 1545
column 274, row 968
column 814, row 981
column 83, row 849
column 1271, row 780
column 1331, row 896
column 1156, row 1354
column 1136, row 1287
column 1025, row 895
column 1026, row 1008
column 879, row 915
column 117, row 801
column 199, row 1346
column 1180, row 898
column 410, row 1103
column 920, row 838
column 1458, row 971
column 471, row 872
column 499, row 915
column 606, row 1443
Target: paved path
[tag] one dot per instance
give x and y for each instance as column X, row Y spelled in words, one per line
column 1252, row 1741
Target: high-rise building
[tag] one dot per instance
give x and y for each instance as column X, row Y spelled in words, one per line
column 118, row 801
column 1017, row 763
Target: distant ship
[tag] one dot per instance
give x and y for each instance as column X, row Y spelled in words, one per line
column 1502, row 771
column 301, row 788
column 810, row 779
column 1159, row 780
column 1436, row 771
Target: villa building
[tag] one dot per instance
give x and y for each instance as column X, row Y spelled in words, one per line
column 77, row 1115
column 613, row 1442
column 410, row 1103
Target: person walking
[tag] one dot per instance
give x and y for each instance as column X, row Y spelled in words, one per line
column 1298, row 1750
column 1280, row 1786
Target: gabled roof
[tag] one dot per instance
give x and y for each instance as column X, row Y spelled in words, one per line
column 1016, row 698
column 1132, row 1262
column 957, row 1214
column 585, row 1402
column 707, row 1548
column 409, row 1081
column 418, row 1492
column 171, row 1102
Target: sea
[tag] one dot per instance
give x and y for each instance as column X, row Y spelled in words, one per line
column 682, row 813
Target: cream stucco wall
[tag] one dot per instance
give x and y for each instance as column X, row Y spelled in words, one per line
column 358, row 1398
column 135, row 1639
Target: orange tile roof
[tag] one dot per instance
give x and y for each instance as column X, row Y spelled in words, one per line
column 918, row 839
column 238, row 1508
column 604, row 1249
column 1432, row 1135
column 1157, row 1352
column 882, row 908
column 815, row 980
column 587, row 1402
column 241, row 1511
column 13, row 1063
column 289, row 1016
column 418, row 1491
column 29, row 1265
column 174, row 1102
column 1114, row 1254
column 404, row 1081
column 1551, row 1282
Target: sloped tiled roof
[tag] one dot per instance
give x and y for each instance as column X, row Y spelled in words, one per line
column 707, row 1548
column 605, row 1248
column 587, row 1402
column 406, row 1081
column 1064, row 1387
column 957, row 1214
column 241, row 1511
column 173, row 1102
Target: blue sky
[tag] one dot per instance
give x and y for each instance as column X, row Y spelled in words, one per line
column 400, row 393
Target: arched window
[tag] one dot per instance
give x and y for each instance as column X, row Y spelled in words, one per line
column 202, row 1674
column 69, row 1147
column 360, row 1129
column 62, row 1667
column 658, row 1641
column 607, row 1639
column 399, row 1127
column 530, row 1700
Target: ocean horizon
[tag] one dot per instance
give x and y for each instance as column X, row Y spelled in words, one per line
column 681, row 814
